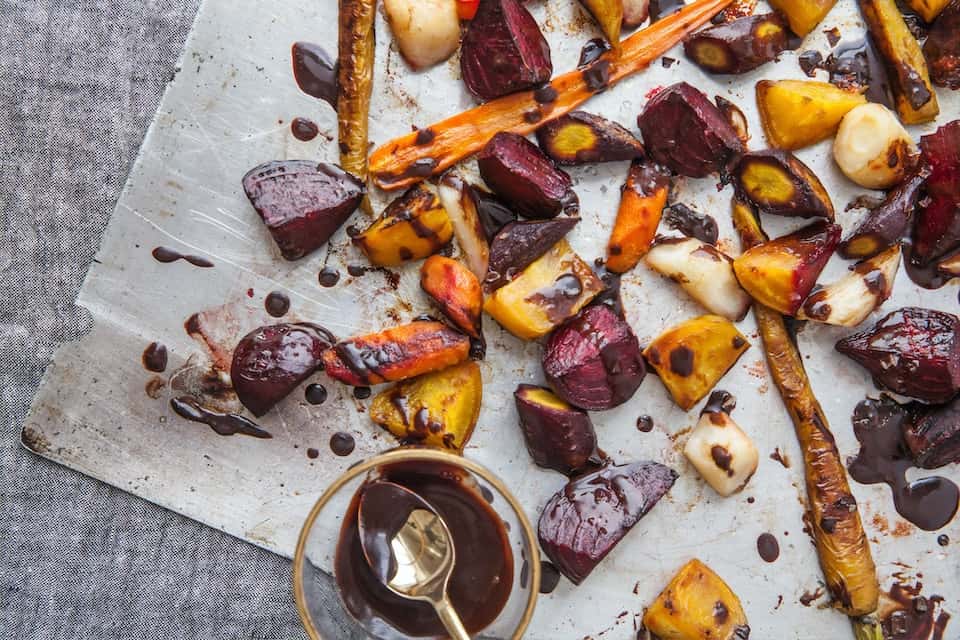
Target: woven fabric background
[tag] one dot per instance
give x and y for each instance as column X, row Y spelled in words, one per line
column 81, row 81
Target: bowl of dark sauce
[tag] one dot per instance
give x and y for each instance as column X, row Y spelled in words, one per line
column 495, row 580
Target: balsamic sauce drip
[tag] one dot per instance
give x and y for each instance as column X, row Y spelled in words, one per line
column 225, row 424
column 361, row 393
column 304, row 129
column 663, row 8
column 167, row 255
column 592, row 51
column 692, row 224
column 277, row 304
column 645, row 424
column 342, row 443
column 155, row 357
column 768, row 547
column 549, row 577
column 315, row 72
column 914, row 616
column 328, row 277
column 315, row 393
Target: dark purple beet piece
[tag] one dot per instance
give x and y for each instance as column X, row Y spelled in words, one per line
column 585, row 520
column 593, row 361
column 494, row 214
column 933, row 435
column 519, row 172
column 937, row 229
column 518, row 244
column 558, row 436
column 503, row 51
column 302, row 202
column 686, row 132
column 942, row 48
column 272, row 361
column 911, row 351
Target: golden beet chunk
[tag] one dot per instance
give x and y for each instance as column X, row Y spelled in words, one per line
column 549, row 291
column 412, row 227
column 439, row 409
column 928, row 9
column 609, row 17
column 691, row 357
column 803, row 15
column 798, row 113
column 697, row 605
column 455, row 290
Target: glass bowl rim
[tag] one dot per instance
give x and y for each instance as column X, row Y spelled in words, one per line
column 416, row 455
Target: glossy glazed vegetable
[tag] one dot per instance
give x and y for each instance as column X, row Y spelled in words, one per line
column 642, row 201
column 586, row 519
column 719, row 450
column 835, row 524
column 467, row 9
column 942, row 48
column 684, row 131
column 798, row 113
column 928, row 9
column 459, row 200
column 691, row 357
column 558, row 435
column 456, row 291
column 609, row 17
column 697, row 605
column 872, row 148
column 780, row 183
column 357, row 45
column 439, row 409
column 593, row 360
column 426, row 31
column 911, row 351
column 302, row 202
column 412, row 227
column 402, row 162
column 549, row 291
column 518, row 244
column 738, row 46
column 781, row 273
column 395, row 354
column 913, row 93
column 704, row 272
column 937, row 229
column 933, row 435
column 503, row 51
column 521, row 174
column 848, row 301
column 803, row 15
column 582, row 138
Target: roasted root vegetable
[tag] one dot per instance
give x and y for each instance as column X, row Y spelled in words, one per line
column 928, row 9
column 704, row 272
column 803, row 15
column 395, row 354
column 911, row 351
column 593, row 361
column 687, row 133
column 412, row 227
column 848, row 302
column 933, row 435
column 494, row 213
column 691, row 357
column 302, row 202
column 635, row 12
column 872, row 148
column 798, row 113
column 582, row 138
column 778, row 182
column 835, row 524
column 459, row 200
column 738, row 46
column 937, row 229
column 586, row 519
column 697, row 605
column 405, row 161
column 609, row 17
column 426, row 31
column 356, row 54
column 781, row 273
column 521, row 174
column 270, row 362
column 519, row 244
column 456, row 291
column 913, row 93
column 642, row 201
column 503, row 51
column 439, row 409
column 942, row 48
column 718, row 448
column 691, row 223
column 549, row 291
column 558, row 435
column 887, row 224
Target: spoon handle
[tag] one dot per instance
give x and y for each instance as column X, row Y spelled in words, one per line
column 450, row 619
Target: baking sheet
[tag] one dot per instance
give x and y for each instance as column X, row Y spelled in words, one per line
column 228, row 109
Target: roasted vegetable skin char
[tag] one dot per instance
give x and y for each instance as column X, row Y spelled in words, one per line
column 738, row 46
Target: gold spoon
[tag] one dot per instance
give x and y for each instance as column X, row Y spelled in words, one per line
column 409, row 548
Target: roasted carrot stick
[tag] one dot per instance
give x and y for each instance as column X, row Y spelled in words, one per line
column 357, row 42
column 402, row 162
column 838, row 533
column 641, row 205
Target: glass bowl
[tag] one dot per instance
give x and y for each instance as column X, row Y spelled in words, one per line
column 314, row 586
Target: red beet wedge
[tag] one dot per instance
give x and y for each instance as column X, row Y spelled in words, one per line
column 937, row 229
column 302, row 202
column 585, row 520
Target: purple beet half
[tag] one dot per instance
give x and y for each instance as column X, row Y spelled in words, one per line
column 519, row 244
column 586, row 519
column 503, row 51
column 594, row 361
column 271, row 361
column 302, row 202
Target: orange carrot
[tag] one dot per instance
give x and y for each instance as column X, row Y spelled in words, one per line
column 402, row 162
column 641, row 205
